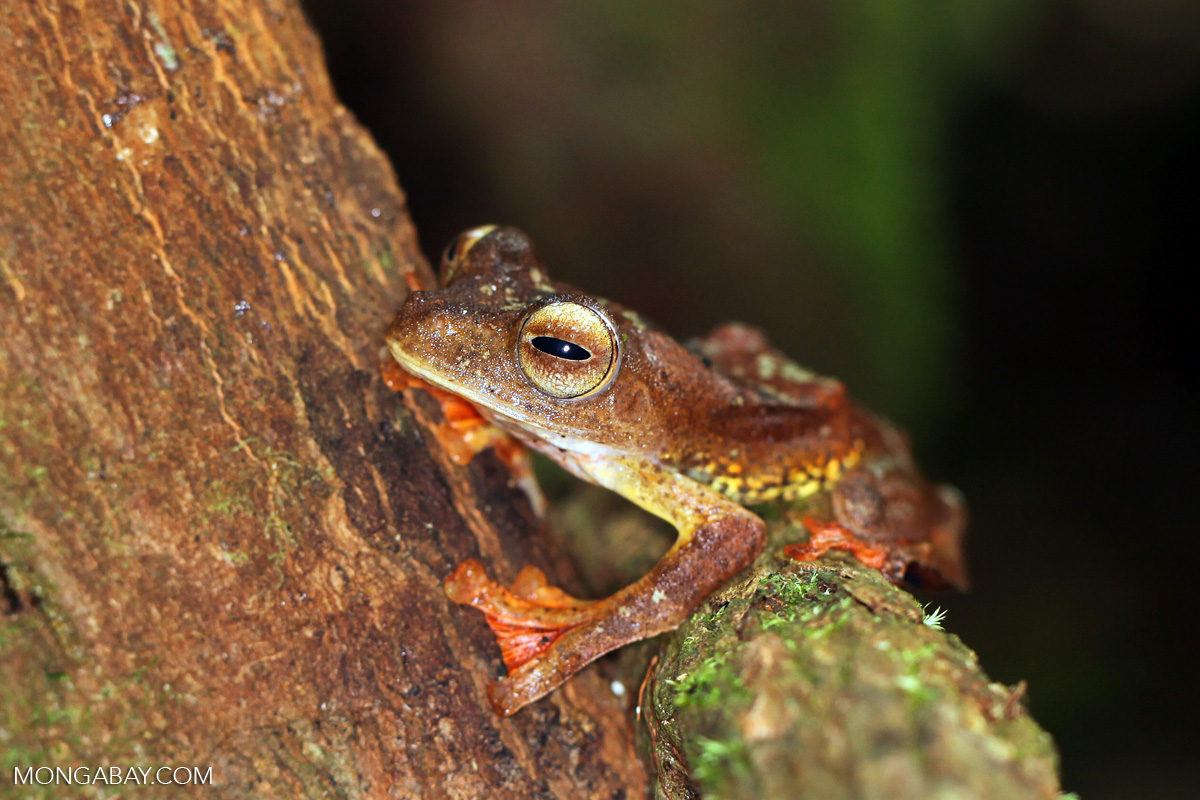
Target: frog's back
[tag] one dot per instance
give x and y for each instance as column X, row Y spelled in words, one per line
column 863, row 460
column 743, row 354
column 787, row 435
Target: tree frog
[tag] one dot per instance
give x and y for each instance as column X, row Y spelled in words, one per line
column 692, row 434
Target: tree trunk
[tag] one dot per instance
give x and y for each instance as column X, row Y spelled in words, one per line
column 224, row 539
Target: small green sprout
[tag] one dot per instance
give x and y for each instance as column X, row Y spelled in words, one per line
column 934, row 619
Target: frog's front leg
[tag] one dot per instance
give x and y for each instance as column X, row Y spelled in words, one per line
column 546, row 636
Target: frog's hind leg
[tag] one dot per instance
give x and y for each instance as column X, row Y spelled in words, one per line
column 546, row 636
column 743, row 354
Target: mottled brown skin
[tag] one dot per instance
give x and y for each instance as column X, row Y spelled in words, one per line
column 687, row 433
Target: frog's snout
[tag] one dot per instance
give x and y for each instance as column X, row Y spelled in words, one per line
column 407, row 319
column 425, row 319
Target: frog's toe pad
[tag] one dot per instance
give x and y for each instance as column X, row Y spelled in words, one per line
column 510, row 695
column 394, row 376
column 531, row 585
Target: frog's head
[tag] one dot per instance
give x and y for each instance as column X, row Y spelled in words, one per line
column 498, row 333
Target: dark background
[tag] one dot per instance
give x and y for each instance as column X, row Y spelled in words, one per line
column 976, row 217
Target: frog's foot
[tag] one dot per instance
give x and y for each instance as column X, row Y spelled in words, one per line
column 830, row 535
column 526, row 618
column 546, row 636
column 463, row 433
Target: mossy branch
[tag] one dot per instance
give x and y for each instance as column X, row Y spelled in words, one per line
column 809, row 680
column 824, row 681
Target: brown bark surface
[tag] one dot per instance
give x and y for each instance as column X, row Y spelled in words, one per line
column 223, row 539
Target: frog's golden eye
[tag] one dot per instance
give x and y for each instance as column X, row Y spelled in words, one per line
column 567, row 349
column 456, row 252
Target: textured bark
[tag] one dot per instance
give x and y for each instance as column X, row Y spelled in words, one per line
column 223, row 539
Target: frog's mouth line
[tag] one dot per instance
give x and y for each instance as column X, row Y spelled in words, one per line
column 486, row 404
column 521, row 425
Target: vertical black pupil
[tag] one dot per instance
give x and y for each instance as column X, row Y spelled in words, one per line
column 452, row 250
column 561, row 348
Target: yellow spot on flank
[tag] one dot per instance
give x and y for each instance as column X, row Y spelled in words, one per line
column 833, row 470
column 798, row 491
column 796, row 373
column 658, row 596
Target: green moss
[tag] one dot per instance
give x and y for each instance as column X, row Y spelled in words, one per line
column 789, row 588
column 235, row 557
column 710, row 682
column 52, row 721
column 715, row 764
column 11, row 535
column 802, row 597
column 163, row 48
column 386, row 262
